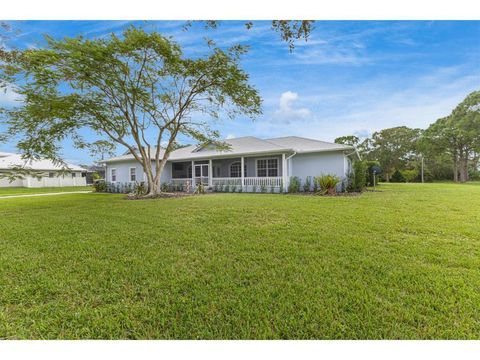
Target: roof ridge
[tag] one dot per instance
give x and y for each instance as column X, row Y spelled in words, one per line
column 305, row 138
column 243, row 137
column 270, row 142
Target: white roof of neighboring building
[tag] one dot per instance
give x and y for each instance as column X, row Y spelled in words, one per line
column 8, row 160
column 248, row 145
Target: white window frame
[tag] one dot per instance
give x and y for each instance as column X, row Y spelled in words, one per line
column 130, row 174
column 240, row 165
column 111, row 174
column 266, row 159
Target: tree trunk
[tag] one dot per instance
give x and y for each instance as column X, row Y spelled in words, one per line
column 463, row 167
column 455, row 169
column 152, row 188
column 387, row 177
column 154, row 183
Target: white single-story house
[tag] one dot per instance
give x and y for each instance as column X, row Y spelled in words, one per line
column 44, row 173
column 265, row 163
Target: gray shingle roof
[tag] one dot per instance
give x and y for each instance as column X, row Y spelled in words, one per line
column 249, row 145
column 303, row 145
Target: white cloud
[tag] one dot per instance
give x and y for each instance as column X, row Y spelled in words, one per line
column 364, row 108
column 287, row 111
column 8, row 97
column 230, row 136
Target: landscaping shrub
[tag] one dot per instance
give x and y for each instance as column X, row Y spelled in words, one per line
column 263, row 188
column 397, row 177
column 100, row 186
column 327, row 183
column 200, row 189
column 358, row 177
column 119, row 188
column 96, row 176
column 164, row 187
column 294, row 185
column 315, row 184
column 409, row 175
column 254, row 188
column 140, row 189
column 307, row 186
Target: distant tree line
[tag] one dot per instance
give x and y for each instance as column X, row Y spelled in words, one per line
column 449, row 149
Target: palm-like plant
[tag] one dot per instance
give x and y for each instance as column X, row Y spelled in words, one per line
column 328, row 184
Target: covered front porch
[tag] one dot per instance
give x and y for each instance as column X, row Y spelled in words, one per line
column 259, row 173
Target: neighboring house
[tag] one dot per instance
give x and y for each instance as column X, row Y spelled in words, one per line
column 44, row 173
column 268, row 163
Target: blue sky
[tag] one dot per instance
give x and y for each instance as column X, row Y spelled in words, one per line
column 351, row 77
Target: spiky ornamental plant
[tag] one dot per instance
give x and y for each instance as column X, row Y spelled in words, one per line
column 137, row 91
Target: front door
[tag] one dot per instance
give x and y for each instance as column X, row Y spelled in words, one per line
column 201, row 174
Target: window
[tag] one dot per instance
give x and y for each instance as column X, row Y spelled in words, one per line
column 51, row 174
column 133, row 174
column 267, row 167
column 114, row 175
column 235, row 169
column 177, row 166
column 74, row 175
column 189, row 172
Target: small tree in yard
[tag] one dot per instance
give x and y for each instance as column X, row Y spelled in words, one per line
column 398, row 177
column 358, row 178
column 137, row 91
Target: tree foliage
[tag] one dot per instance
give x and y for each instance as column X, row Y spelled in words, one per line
column 290, row 31
column 137, row 90
column 393, row 147
column 458, row 135
column 350, row 140
column 449, row 148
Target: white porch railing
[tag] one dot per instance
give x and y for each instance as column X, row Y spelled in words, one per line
column 263, row 181
column 226, row 181
column 249, row 181
column 181, row 181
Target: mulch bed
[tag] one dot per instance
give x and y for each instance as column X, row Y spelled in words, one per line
column 184, row 194
column 159, row 196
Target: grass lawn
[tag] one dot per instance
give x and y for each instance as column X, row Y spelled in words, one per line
column 403, row 263
column 7, row 191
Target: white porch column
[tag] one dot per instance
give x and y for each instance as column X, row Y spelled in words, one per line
column 193, row 174
column 284, row 173
column 242, row 167
column 210, row 173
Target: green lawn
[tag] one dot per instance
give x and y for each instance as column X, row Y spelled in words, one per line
column 403, row 263
column 7, row 191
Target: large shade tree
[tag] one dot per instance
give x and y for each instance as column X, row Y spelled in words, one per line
column 393, row 147
column 458, row 135
column 137, row 91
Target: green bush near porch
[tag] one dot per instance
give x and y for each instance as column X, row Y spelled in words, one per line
column 402, row 263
